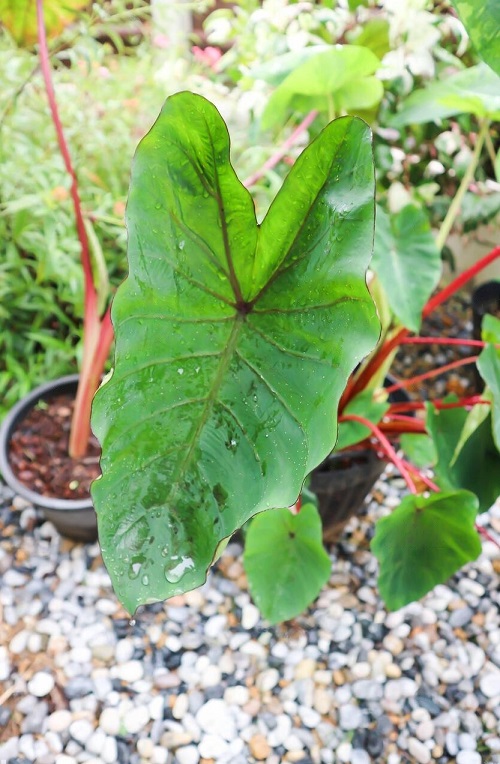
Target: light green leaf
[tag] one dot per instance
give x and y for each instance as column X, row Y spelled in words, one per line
column 474, row 419
column 234, row 343
column 424, row 542
column 362, row 405
column 407, row 262
column 285, row 561
column 419, row 448
column 482, row 22
column 341, row 69
column 472, row 91
column 279, row 67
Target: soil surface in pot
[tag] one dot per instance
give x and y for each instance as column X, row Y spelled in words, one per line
column 39, row 456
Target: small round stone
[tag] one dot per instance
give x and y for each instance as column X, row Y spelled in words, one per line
column 187, row 754
column 41, row 684
column 59, row 721
column 469, row 757
column 419, row 751
column 489, row 684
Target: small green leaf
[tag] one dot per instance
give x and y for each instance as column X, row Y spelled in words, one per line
column 475, row 418
column 424, row 542
column 353, row 432
column 285, row 561
column 407, row 262
column 374, row 35
column 490, row 329
column 482, row 22
column 472, row 91
column 419, row 448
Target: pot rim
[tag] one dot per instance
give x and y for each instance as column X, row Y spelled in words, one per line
column 15, row 415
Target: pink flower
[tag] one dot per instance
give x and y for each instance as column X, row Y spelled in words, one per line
column 208, row 56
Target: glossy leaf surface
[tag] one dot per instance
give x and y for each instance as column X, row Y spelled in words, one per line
column 19, row 17
column 234, row 343
column 473, row 91
column 285, row 561
column 407, row 262
column 477, row 467
column 482, row 22
column 423, row 542
column 339, row 79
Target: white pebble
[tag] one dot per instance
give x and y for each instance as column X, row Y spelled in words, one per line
column 489, row 684
column 469, row 757
column 159, row 755
column 131, row 671
column 250, row 616
column 81, row 730
column 136, row 719
column 267, row 679
column 41, row 684
column 188, row 754
column 419, row 751
column 212, row 746
column 124, row 650
column 109, row 721
column 215, row 718
column 237, row 695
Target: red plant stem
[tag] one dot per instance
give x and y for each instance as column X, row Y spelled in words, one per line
column 388, row 346
column 386, row 446
column 483, row 532
column 428, row 482
column 395, row 428
column 97, row 334
column 442, row 341
column 438, row 403
column 460, row 281
column 432, row 373
column 280, row 153
column 63, row 147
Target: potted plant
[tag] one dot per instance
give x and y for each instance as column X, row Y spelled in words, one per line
column 30, row 465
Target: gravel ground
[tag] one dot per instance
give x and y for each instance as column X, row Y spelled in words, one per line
column 205, row 679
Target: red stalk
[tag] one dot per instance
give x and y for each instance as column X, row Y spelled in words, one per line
column 97, row 334
column 483, row 532
column 472, row 400
column 460, row 281
column 432, row 373
column 442, row 341
column 428, row 482
column 386, row 446
column 280, row 153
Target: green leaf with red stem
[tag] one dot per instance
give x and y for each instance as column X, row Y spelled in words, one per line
column 489, row 367
column 352, row 432
column 423, row 542
column 234, row 342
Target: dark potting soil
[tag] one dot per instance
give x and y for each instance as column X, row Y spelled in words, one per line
column 39, row 452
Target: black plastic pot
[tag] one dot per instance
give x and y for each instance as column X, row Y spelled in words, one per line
column 485, row 299
column 75, row 519
column 343, row 481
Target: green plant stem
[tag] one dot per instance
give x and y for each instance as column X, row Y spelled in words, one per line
column 97, row 334
column 456, row 203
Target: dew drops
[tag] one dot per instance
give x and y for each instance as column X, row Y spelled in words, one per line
column 182, row 244
column 173, row 575
column 132, row 622
column 134, row 570
column 158, row 206
column 145, row 580
column 180, row 371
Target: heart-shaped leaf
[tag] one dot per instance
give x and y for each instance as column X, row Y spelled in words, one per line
column 482, row 22
column 285, row 561
column 234, row 343
column 407, row 262
column 19, row 17
column 423, row 542
column 337, row 79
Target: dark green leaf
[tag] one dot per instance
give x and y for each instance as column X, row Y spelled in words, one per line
column 488, row 365
column 477, row 467
column 424, row 542
column 407, row 262
column 362, row 405
column 285, row 561
column 473, row 91
column 234, row 343
column 482, row 22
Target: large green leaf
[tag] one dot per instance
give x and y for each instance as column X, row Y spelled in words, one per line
column 488, row 365
column 473, row 91
column 482, row 22
column 477, row 466
column 407, row 262
column 19, row 17
column 339, row 78
column 234, row 343
column 285, row 561
column 424, row 542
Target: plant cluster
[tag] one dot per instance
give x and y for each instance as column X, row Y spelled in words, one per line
column 238, row 343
